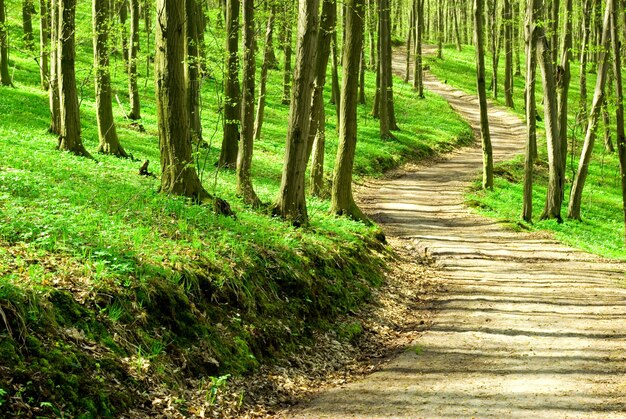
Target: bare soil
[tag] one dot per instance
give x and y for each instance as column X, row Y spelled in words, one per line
column 523, row 326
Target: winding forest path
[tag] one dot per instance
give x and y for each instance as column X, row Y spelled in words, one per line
column 525, row 327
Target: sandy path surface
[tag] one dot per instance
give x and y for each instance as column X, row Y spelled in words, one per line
column 525, row 327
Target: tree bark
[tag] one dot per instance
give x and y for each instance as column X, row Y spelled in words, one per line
column 457, row 33
column 418, row 72
column 440, row 29
column 122, row 9
column 532, row 15
column 44, row 43
column 288, row 52
column 563, row 79
column 232, row 89
column 573, row 210
column 584, row 54
column 28, row 9
column 107, row 134
column 291, row 203
column 268, row 59
column 482, row 95
column 195, row 34
column 133, row 90
column 409, row 40
column 508, row 52
column 70, row 138
column 619, row 100
column 5, row 78
column 554, row 30
column 342, row 201
column 244, row 158
column 53, row 92
column 495, row 46
column 178, row 174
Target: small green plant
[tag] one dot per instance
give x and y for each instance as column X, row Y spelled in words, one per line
column 3, row 394
column 214, row 387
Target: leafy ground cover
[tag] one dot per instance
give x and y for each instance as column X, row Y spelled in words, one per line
column 110, row 291
column 601, row 230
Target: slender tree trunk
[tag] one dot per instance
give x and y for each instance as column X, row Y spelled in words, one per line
column 584, row 54
column 393, row 124
column 268, row 59
column 384, row 36
column 178, row 174
column 371, row 28
column 70, row 138
column 147, row 16
column 532, row 14
column 573, row 210
column 44, row 43
column 291, row 203
column 232, row 92
column 28, row 9
column 107, row 134
column 495, row 46
column 457, row 33
column 5, row 78
column 288, row 52
column 482, row 95
column 334, row 97
column 244, row 158
column 122, row 9
column 53, row 92
column 342, row 201
column 362, row 78
column 440, row 33
column 409, row 40
column 563, row 79
column 554, row 30
column 517, row 42
column 508, row 52
column 133, row 90
column 619, row 99
column 554, row 197
column 418, row 72
column 195, row 34
column 606, row 122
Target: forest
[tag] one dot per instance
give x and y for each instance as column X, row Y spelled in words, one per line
column 312, row 208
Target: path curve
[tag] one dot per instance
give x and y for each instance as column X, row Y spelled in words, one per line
column 525, row 327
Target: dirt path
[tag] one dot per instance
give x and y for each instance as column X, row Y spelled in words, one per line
column 526, row 327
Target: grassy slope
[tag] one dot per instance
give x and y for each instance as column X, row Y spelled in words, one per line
column 110, row 290
column 601, row 231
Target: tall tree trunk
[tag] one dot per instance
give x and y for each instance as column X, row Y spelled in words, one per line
column 409, row 40
column 28, row 9
column 393, row 124
column 418, row 72
column 517, row 42
column 584, row 54
column 122, row 9
column 44, row 43
column 5, row 78
column 342, row 201
column 563, row 79
column 133, row 90
column 268, row 60
column 107, row 134
column 384, row 37
column 440, row 33
column 619, row 100
column 606, row 122
column 178, row 174
column 244, row 158
column 232, row 90
column 53, row 92
column 573, row 210
column 554, row 30
column 457, row 33
column 291, row 203
column 362, row 78
column 482, row 95
column 288, row 52
column 495, row 46
column 147, row 17
column 334, row 97
column 195, row 34
column 508, row 52
column 532, row 15
column 371, row 29
column 70, row 138
column 554, row 197
column 328, row 21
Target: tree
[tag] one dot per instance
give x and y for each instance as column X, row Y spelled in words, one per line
column 564, row 76
column 418, row 74
column 317, row 131
column 554, row 197
column 195, row 33
column 244, row 157
column 44, row 40
column 107, row 134
column 584, row 54
column 5, row 78
column 508, row 53
column 342, row 201
column 532, row 12
column 573, row 210
column 178, row 175
column 70, row 137
column 53, row 92
column 28, row 10
column 133, row 90
column 232, row 90
column 268, row 61
column 482, row 94
column 291, row 203
column 385, row 102
column 619, row 100
column 288, row 51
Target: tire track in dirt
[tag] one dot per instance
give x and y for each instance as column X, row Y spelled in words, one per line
column 525, row 326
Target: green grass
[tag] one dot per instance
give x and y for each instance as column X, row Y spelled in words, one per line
column 104, row 281
column 601, row 231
